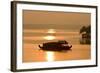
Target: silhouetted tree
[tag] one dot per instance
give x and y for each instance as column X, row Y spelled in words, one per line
column 86, row 37
column 83, row 29
column 86, row 29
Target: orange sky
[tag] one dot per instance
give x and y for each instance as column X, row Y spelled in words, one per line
column 55, row 20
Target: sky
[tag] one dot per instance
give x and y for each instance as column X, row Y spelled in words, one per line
column 33, row 19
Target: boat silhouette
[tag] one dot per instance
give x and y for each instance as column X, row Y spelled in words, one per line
column 56, row 46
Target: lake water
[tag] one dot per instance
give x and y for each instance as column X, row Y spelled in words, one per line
column 33, row 38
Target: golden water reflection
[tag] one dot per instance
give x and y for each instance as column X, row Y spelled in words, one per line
column 50, row 56
column 31, row 53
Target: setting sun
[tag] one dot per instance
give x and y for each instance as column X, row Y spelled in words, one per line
column 49, row 37
column 51, row 31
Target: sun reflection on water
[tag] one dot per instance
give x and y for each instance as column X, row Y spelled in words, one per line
column 50, row 56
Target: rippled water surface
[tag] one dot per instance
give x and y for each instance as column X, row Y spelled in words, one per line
column 33, row 38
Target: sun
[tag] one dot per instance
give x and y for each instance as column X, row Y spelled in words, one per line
column 49, row 37
column 51, row 31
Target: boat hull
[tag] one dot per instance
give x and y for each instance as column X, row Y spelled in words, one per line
column 55, row 48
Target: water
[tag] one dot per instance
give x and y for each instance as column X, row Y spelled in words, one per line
column 33, row 38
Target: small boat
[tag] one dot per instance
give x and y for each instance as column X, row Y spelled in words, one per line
column 56, row 46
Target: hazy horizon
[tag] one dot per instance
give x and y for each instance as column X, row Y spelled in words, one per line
column 55, row 20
